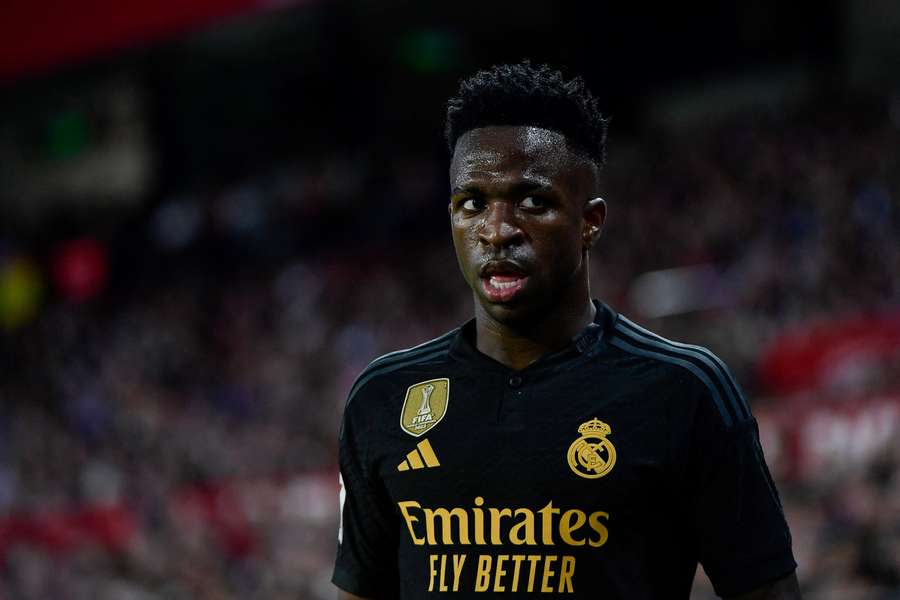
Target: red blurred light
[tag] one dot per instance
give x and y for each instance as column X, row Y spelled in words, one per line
column 80, row 269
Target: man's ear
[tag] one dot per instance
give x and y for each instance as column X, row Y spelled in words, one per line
column 594, row 218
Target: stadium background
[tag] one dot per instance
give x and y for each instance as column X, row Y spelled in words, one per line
column 214, row 214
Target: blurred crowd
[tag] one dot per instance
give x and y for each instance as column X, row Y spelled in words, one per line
column 174, row 434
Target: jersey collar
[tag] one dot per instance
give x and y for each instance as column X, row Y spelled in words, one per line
column 588, row 342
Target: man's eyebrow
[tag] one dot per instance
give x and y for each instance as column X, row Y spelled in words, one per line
column 517, row 188
column 469, row 187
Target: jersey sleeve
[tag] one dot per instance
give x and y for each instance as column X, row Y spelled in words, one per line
column 741, row 533
column 366, row 563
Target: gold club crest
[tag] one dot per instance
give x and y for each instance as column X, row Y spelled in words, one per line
column 425, row 405
column 592, row 455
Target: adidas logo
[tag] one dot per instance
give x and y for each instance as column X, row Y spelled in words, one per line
column 422, row 456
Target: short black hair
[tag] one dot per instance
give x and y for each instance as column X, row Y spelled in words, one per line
column 537, row 96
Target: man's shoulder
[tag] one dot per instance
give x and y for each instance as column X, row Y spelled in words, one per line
column 394, row 363
column 377, row 386
column 698, row 364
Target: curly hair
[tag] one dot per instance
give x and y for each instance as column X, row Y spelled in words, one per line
column 524, row 94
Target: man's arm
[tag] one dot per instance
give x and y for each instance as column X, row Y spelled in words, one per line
column 342, row 595
column 743, row 539
column 366, row 562
column 785, row 588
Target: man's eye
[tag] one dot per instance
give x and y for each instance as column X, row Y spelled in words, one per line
column 533, row 202
column 473, row 204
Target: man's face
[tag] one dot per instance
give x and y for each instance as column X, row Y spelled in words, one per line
column 520, row 218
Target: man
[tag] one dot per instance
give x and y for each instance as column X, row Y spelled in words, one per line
column 549, row 447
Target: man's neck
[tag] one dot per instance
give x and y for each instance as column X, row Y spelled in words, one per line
column 519, row 346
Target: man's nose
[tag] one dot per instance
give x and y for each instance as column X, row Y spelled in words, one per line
column 499, row 227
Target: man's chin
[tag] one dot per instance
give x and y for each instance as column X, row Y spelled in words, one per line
column 510, row 312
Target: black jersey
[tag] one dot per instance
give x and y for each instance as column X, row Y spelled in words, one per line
column 608, row 470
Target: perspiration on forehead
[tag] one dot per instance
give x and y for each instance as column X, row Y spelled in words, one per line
column 533, row 151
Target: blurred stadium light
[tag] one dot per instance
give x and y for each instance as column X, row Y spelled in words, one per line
column 677, row 291
column 36, row 36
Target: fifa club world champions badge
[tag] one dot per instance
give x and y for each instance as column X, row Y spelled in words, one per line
column 425, row 405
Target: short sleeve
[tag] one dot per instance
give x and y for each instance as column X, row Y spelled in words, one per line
column 741, row 533
column 366, row 563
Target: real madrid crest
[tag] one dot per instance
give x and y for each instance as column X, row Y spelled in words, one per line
column 425, row 405
column 592, row 455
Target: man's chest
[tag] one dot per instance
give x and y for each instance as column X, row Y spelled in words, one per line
column 506, row 442
column 546, row 485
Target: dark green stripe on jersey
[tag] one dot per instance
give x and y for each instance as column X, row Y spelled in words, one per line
column 398, row 355
column 713, row 362
column 394, row 367
column 630, row 342
column 700, row 356
column 398, row 360
column 402, row 358
column 623, row 345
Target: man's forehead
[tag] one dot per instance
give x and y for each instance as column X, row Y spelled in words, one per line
column 498, row 149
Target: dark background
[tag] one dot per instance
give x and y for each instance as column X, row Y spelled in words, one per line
column 214, row 214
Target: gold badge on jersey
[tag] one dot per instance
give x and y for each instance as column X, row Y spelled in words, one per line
column 592, row 455
column 425, row 405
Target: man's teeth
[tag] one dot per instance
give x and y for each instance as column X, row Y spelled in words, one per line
column 504, row 285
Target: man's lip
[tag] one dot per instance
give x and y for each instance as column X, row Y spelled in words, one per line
column 501, row 267
column 501, row 287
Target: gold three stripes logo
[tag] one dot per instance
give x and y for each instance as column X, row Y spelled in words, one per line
column 421, row 457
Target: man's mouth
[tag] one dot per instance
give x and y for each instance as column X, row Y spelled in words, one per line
column 502, row 284
column 502, row 280
column 503, row 288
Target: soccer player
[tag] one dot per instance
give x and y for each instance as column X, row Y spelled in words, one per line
column 549, row 447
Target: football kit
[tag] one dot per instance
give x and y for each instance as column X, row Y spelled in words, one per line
column 608, row 469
